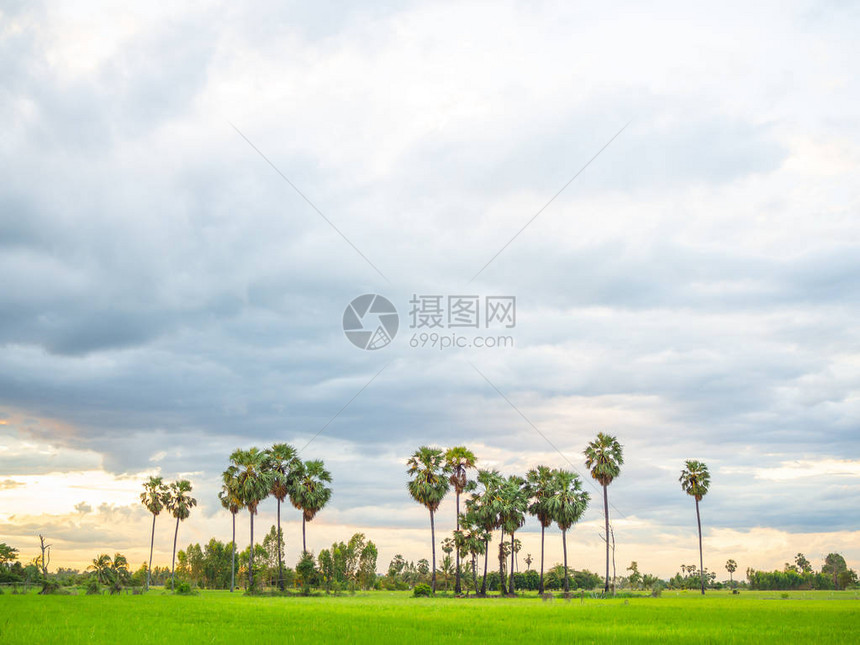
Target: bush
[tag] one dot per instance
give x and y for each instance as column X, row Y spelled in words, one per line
column 184, row 589
column 93, row 588
column 657, row 590
column 422, row 590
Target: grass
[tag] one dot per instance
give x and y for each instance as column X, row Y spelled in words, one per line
column 395, row 617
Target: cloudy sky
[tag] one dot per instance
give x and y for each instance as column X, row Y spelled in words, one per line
column 191, row 195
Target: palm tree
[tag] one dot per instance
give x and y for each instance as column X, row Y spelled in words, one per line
column 101, row 566
column 567, row 504
column 540, row 488
column 428, row 486
column 232, row 501
column 484, row 508
column 459, row 460
column 514, row 503
column 604, row 457
column 153, row 497
column 695, row 480
column 179, row 503
column 470, row 539
column 309, row 492
column 281, row 460
column 253, row 486
column 119, row 572
column 731, row 567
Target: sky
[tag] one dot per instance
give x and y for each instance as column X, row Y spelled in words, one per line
column 192, row 194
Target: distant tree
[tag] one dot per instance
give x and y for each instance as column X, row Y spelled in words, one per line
column 514, row 504
column 252, row 481
column 834, row 564
column 471, row 540
column 282, row 463
column 8, row 555
column 529, row 561
column 231, row 499
column 44, row 558
column 307, row 571
column 540, row 489
column 179, row 503
column 731, row 567
column 567, row 505
column 428, row 486
column 112, row 572
column 153, row 497
column 458, row 461
column 447, row 561
column 309, row 492
column 635, row 577
column 846, row 579
column 803, row 565
column 695, row 480
column 483, row 507
column 604, row 456
column 101, row 568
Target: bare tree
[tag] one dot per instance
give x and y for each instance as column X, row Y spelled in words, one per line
column 45, row 559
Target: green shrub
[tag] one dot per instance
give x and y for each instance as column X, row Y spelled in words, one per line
column 657, row 590
column 422, row 591
column 184, row 589
column 93, row 588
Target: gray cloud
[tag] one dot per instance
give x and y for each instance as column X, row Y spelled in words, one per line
column 165, row 291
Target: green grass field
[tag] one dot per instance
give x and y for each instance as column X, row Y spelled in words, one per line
column 395, row 617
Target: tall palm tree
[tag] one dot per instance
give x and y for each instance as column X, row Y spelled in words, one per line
column 309, row 492
column 428, row 486
column 540, row 488
column 695, row 480
column 281, row 461
column 154, row 496
column 567, row 504
column 179, row 503
column 253, row 485
column 484, row 507
column 604, row 457
column 514, row 501
column 459, row 460
column 232, row 501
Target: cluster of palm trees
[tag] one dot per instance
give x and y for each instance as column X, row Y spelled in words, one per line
column 111, row 571
column 498, row 503
column 174, row 497
column 254, row 474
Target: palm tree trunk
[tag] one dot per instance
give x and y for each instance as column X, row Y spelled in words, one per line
column 251, row 557
column 564, row 546
column 304, row 540
column 173, row 562
column 475, row 573
column 701, row 562
column 542, row 531
column 433, row 541
column 457, row 589
column 503, row 590
column 486, row 559
column 151, row 546
column 513, row 556
column 280, row 556
column 606, row 526
column 233, row 558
